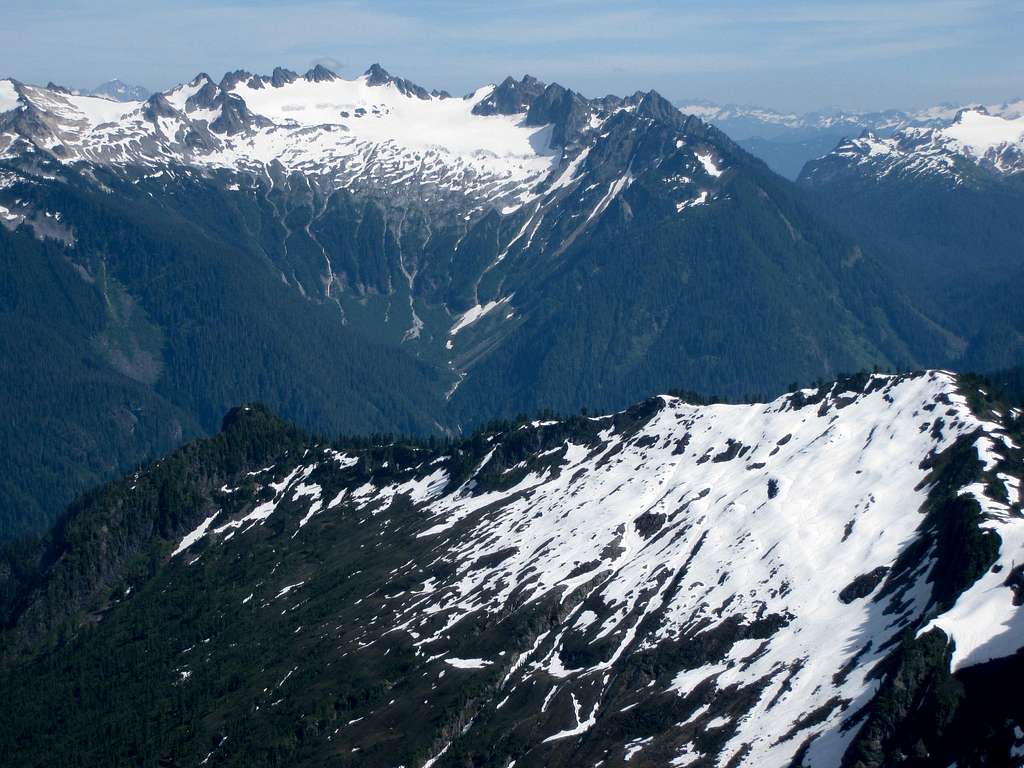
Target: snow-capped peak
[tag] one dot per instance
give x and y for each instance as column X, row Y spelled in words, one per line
column 374, row 134
column 975, row 142
column 371, row 131
column 756, row 120
column 384, row 113
column 978, row 133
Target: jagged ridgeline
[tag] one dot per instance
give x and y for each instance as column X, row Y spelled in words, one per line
column 364, row 255
column 832, row 578
column 788, row 141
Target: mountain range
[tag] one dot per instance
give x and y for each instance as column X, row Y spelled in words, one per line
column 466, row 507
column 118, row 90
column 939, row 203
column 367, row 256
column 831, row 578
column 787, row 140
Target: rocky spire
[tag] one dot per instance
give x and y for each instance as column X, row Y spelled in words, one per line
column 320, row 74
column 377, row 75
column 282, row 77
column 510, row 97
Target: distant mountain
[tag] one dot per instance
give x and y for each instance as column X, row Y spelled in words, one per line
column 973, row 148
column 942, row 207
column 786, row 141
column 749, row 121
column 119, row 91
column 788, row 157
column 832, row 578
column 366, row 255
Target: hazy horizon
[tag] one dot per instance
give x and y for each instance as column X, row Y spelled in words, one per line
column 678, row 100
column 798, row 56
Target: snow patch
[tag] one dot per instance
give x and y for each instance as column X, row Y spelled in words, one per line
column 8, row 96
column 195, row 535
column 468, row 663
column 709, row 164
column 474, row 313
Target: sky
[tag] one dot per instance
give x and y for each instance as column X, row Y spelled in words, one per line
column 784, row 54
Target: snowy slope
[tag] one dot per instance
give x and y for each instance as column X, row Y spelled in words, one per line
column 375, row 134
column 974, row 140
column 551, row 159
column 748, row 120
column 378, row 133
column 740, row 569
column 8, row 96
column 787, row 141
column 119, row 91
column 357, row 133
column 985, row 137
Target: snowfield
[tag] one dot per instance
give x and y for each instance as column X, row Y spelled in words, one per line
column 350, row 132
column 979, row 133
column 760, row 553
column 974, row 138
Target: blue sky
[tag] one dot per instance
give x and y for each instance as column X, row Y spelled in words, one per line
column 863, row 54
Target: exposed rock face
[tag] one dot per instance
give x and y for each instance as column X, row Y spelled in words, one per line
column 510, row 97
column 281, row 77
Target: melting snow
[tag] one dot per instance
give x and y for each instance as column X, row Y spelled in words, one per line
column 569, row 175
column 474, row 313
column 700, row 199
column 707, row 514
column 8, row 96
column 288, row 589
column 195, row 535
column 709, row 164
column 468, row 663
